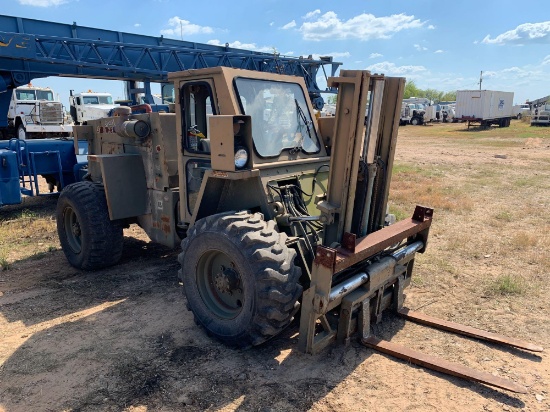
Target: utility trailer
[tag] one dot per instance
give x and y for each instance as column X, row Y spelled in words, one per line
column 484, row 107
column 276, row 211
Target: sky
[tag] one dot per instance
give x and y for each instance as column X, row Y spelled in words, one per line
column 440, row 45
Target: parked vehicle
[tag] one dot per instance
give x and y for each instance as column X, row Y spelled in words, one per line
column 520, row 110
column 484, row 107
column 421, row 110
column 540, row 111
column 541, row 116
column 89, row 106
column 34, row 113
column 256, row 247
column 447, row 113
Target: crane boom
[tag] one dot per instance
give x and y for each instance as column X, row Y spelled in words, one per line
column 32, row 49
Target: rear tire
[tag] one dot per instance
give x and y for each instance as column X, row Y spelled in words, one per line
column 240, row 278
column 89, row 239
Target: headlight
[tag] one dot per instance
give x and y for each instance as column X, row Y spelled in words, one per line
column 241, row 157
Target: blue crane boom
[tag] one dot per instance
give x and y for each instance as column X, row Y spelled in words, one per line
column 34, row 48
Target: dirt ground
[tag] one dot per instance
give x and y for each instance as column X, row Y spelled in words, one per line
column 122, row 339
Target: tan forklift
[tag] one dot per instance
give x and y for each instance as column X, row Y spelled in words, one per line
column 274, row 208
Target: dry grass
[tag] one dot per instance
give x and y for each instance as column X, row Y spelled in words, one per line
column 26, row 234
column 412, row 185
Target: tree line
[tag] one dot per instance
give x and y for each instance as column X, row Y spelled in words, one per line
column 412, row 90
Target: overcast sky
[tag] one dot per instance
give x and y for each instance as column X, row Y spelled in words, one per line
column 440, row 45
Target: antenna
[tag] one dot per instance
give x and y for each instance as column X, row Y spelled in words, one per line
column 480, row 79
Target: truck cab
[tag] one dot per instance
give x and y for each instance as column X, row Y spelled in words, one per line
column 34, row 113
column 520, row 110
column 90, row 105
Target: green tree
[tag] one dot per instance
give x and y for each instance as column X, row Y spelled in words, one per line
column 332, row 99
column 411, row 90
column 448, row 97
column 434, row 95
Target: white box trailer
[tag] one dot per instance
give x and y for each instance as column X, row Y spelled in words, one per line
column 485, row 107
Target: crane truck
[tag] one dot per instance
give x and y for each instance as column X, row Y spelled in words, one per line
column 540, row 111
column 276, row 212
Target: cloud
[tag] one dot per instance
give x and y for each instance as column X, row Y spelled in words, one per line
column 336, row 55
column 420, row 48
column 180, row 27
column 248, row 46
column 439, row 51
column 272, row 23
column 431, row 27
column 363, row 27
column 137, row 25
column 311, row 14
column 511, row 73
column 42, row 3
column 390, row 68
column 289, row 25
column 524, row 33
column 375, row 55
column 546, row 60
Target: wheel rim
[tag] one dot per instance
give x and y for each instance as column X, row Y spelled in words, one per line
column 220, row 284
column 72, row 230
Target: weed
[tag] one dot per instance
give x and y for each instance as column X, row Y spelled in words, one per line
column 399, row 213
column 532, row 181
column 4, row 264
column 504, row 216
column 28, row 214
column 38, row 255
column 508, row 285
column 524, row 240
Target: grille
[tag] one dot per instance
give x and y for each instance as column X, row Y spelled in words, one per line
column 51, row 113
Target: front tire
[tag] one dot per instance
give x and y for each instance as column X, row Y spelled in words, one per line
column 240, row 278
column 89, row 239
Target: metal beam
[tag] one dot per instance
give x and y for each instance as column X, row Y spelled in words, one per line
column 33, row 48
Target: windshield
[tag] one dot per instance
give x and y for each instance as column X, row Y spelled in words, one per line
column 97, row 100
column 34, row 95
column 280, row 116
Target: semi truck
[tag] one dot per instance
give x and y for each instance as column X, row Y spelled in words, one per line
column 90, row 105
column 33, row 112
column 520, row 110
column 484, row 107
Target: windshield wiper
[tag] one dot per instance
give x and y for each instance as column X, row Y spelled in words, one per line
column 306, row 123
